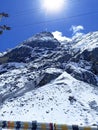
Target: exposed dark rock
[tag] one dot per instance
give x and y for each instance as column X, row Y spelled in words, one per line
column 95, row 68
column 72, row 99
column 62, row 57
column 93, row 104
column 89, row 55
column 18, row 54
column 82, row 74
column 3, row 71
column 47, row 77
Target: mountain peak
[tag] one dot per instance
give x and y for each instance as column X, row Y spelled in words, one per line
column 42, row 40
column 40, row 36
column 44, row 34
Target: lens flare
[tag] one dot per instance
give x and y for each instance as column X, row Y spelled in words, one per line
column 53, row 5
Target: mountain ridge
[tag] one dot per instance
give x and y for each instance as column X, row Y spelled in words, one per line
column 43, row 65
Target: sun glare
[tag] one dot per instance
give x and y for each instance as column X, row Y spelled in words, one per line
column 53, row 5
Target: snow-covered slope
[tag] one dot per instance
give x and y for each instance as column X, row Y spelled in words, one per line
column 88, row 41
column 65, row 100
column 48, row 81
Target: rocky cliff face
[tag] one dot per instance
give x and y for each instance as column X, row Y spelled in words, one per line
column 45, row 51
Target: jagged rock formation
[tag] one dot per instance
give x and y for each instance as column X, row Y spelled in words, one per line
column 45, row 51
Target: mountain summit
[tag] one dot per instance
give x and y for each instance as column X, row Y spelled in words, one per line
column 57, row 81
column 43, row 40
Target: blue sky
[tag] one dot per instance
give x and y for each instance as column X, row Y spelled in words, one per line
column 27, row 17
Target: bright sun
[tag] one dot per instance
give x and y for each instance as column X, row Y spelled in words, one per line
column 53, row 5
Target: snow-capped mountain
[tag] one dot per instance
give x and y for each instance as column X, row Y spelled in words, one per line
column 45, row 80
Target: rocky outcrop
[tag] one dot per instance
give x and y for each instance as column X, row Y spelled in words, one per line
column 90, row 56
column 48, row 77
column 19, row 54
column 82, row 74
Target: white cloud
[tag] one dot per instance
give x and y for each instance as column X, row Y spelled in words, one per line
column 76, row 29
column 76, row 33
column 58, row 35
